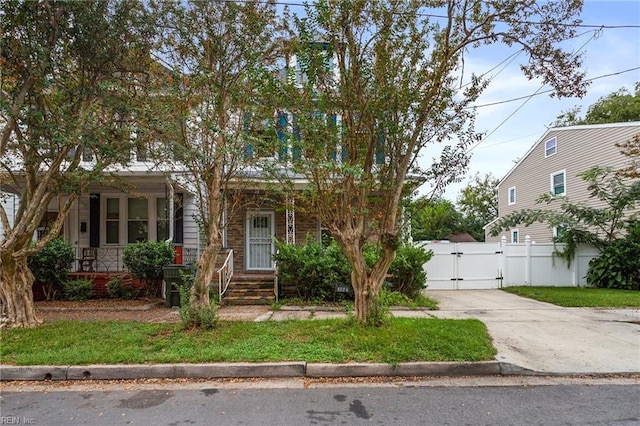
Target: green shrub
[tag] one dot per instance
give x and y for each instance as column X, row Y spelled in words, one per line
column 192, row 317
column 407, row 270
column 145, row 260
column 51, row 266
column 394, row 298
column 78, row 290
column 312, row 270
column 618, row 265
column 120, row 288
column 315, row 269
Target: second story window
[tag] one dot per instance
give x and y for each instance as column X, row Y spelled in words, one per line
column 512, row 195
column 558, row 183
column 550, row 147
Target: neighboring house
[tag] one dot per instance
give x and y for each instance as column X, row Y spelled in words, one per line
column 552, row 165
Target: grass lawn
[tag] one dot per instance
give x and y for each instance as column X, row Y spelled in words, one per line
column 580, row 297
column 333, row 341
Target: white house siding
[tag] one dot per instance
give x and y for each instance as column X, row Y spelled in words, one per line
column 578, row 148
column 10, row 205
column 192, row 240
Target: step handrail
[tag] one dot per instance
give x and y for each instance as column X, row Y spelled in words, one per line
column 275, row 278
column 225, row 273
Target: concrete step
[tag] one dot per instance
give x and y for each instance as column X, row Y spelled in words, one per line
column 250, row 289
column 248, row 300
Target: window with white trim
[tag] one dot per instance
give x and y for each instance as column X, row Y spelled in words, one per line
column 550, row 147
column 129, row 220
column 137, row 220
column 512, row 195
column 559, row 231
column 559, row 183
column 112, row 221
column 515, row 236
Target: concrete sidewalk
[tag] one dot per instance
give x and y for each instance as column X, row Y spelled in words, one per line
column 547, row 338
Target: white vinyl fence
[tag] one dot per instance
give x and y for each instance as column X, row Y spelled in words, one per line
column 469, row 266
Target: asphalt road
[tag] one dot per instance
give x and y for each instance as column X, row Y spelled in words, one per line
column 556, row 403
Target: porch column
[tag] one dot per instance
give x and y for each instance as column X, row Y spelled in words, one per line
column 291, row 222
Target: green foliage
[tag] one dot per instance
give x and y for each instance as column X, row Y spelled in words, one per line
column 312, row 269
column 192, row 317
column 582, row 223
column 618, row 265
column 78, row 290
column 478, row 202
column 379, row 314
column 407, row 270
column 434, row 219
column 617, row 107
column 51, row 265
column 120, row 288
column 371, row 63
column 145, row 260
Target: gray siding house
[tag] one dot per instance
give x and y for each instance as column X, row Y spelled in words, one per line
column 552, row 165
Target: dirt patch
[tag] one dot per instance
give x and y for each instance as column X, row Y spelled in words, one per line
column 98, row 303
column 141, row 310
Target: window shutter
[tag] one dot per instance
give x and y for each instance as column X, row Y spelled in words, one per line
column 94, row 220
column 178, row 209
column 281, row 130
column 297, row 140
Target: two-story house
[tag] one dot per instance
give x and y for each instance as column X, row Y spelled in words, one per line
column 552, row 165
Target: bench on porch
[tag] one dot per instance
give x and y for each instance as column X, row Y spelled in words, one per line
column 88, row 260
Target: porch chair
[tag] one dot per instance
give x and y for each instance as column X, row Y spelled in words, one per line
column 89, row 257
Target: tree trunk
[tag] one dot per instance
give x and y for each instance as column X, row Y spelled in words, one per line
column 366, row 282
column 205, row 276
column 363, row 297
column 16, row 292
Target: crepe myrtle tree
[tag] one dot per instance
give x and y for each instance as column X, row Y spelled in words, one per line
column 214, row 52
column 372, row 83
column 65, row 95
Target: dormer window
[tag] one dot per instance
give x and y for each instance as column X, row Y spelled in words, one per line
column 550, row 147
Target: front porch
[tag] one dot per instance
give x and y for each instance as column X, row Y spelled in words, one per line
column 109, row 259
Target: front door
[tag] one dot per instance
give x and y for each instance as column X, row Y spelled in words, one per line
column 260, row 233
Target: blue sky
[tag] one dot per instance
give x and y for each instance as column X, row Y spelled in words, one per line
column 612, row 51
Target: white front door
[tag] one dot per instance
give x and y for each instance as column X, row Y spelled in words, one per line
column 260, row 233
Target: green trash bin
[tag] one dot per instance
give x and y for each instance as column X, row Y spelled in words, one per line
column 171, row 282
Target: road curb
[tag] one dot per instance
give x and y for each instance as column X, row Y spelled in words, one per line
column 259, row 370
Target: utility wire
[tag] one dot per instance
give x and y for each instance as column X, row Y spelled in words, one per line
column 551, row 90
column 593, row 37
column 433, row 15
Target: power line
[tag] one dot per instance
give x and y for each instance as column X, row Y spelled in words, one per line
column 433, row 15
column 551, row 90
column 593, row 37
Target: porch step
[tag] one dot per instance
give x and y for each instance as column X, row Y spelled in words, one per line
column 250, row 290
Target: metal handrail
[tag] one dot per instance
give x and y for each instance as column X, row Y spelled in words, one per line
column 225, row 273
column 275, row 279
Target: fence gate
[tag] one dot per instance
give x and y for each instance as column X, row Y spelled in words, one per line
column 463, row 266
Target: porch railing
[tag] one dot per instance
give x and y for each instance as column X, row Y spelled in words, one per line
column 225, row 273
column 109, row 259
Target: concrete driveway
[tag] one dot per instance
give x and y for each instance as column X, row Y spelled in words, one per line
column 548, row 338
